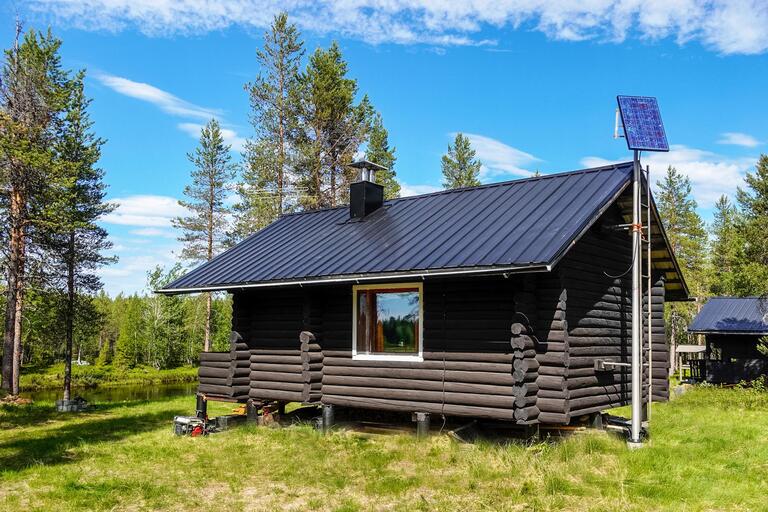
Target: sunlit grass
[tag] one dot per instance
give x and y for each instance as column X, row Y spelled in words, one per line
column 709, row 451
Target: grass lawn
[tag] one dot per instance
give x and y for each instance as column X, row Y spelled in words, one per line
column 92, row 376
column 709, row 452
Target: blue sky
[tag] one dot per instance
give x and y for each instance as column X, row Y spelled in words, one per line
column 533, row 84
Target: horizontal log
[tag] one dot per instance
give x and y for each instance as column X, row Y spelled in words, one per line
column 552, row 405
column 554, row 418
column 449, row 365
column 418, row 395
column 221, row 373
column 216, row 364
column 241, row 354
column 311, row 376
column 604, row 379
column 553, row 359
column 523, row 354
column 267, row 367
column 297, row 387
column 522, row 342
column 215, row 356
column 274, row 394
column 213, row 381
column 601, row 390
column 549, row 382
column 525, row 401
column 484, row 357
column 422, row 374
column 419, row 406
column 310, row 347
column 526, row 413
column 223, row 390
column 521, row 376
column 526, row 365
column 427, row 385
column 552, row 393
column 239, row 381
column 275, row 359
column 526, row 389
column 275, row 351
column 276, row 376
column 311, row 357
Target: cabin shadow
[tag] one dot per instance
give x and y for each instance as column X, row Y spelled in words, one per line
column 52, row 447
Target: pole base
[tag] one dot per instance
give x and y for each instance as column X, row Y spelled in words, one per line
column 635, row 445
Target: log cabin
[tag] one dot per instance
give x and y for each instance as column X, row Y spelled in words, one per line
column 732, row 328
column 508, row 301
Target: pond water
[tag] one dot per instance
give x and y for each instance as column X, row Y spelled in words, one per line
column 119, row 393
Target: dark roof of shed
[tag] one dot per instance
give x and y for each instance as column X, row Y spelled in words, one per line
column 732, row 315
column 521, row 225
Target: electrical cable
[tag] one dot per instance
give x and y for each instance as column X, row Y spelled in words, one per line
column 445, row 349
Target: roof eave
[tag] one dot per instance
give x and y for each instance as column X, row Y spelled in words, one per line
column 356, row 278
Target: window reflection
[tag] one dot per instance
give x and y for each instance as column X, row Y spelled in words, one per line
column 388, row 320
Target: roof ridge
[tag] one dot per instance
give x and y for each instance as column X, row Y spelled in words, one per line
column 478, row 187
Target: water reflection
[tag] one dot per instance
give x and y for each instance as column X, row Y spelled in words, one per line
column 117, row 394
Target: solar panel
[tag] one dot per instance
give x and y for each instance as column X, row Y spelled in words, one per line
column 643, row 128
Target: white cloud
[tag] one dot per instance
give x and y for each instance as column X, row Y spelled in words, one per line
column 711, row 174
column 739, row 139
column 727, row 26
column 148, row 211
column 165, row 101
column 415, row 190
column 165, row 233
column 230, row 136
column 499, row 159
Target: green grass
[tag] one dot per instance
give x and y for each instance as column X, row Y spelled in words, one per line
column 709, row 451
column 52, row 377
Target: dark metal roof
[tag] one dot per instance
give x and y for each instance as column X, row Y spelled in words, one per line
column 521, row 225
column 732, row 315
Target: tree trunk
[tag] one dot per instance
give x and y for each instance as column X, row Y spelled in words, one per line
column 70, row 317
column 16, row 379
column 15, row 261
column 207, row 339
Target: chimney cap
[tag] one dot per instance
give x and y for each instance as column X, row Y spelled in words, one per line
column 366, row 171
column 365, row 164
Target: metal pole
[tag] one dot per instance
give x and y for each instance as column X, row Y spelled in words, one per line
column 637, row 342
column 650, row 284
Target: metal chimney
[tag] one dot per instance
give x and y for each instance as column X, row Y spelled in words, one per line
column 365, row 195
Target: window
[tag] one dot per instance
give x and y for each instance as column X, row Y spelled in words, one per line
column 387, row 321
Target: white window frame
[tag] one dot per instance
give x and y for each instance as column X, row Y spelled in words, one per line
column 419, row 357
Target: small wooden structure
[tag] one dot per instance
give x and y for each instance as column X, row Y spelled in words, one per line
column 508, row 301
column 733, row 328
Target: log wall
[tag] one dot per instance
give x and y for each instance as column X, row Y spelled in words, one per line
column 520, row 348
column 225, row 374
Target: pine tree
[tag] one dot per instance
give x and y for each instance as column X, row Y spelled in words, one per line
column 460, row 167
column 204, row 230
column 752, row 226
column 332, row 129
column 725, row 249
column 75, row 205
column 267, row 182
column 33, row 91
column 380, row 152
column 688, row 238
